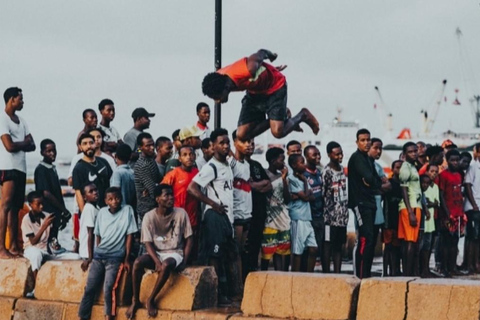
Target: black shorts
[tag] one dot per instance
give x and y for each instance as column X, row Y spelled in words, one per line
column 256, row 106
column 318, row 226
column 20, row 180
column 245, row 223
column 473, row 225
column 217, row 236
column 336, row 235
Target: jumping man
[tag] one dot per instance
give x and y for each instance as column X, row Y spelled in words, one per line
column 266, row 94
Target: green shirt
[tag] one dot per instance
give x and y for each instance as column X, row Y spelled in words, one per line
column 409, row 178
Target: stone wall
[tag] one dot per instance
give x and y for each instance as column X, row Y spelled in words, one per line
column 270, row 295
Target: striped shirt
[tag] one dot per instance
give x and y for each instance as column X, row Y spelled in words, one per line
column 146, row 177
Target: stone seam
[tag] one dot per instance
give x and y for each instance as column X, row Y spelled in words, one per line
column 407, row 291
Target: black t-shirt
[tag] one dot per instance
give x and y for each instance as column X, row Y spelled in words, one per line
column 46, row 179
column 259, row 199
column 98, row 172
column 390, row 208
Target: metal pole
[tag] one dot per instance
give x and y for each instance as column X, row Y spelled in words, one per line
column 218, row 55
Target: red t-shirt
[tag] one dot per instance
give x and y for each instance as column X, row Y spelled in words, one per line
column 267, row 80
column 179, row 179
column 451, row 185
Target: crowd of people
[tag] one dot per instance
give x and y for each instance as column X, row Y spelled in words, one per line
column 166, row 203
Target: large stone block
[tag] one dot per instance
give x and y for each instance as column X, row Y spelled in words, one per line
column 29, row 309
column 61, row 281
column 285, row 295
column 65, row 281
column 71, row 312
column 380, row 297
column 194, row 288
column 207, row 314
column 16, row 277
column 243, row 317
column 443, row 299
column 6, row 308
column 143, row 315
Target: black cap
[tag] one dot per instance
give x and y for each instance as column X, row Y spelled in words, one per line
column 141, row 112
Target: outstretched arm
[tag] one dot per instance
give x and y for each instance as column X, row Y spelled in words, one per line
column 255, row 60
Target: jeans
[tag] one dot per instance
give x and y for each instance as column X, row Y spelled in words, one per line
column 108, row 272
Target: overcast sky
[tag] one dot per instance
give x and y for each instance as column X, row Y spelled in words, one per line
column 68, row 55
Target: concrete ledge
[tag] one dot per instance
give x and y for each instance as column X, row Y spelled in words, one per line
column 242, row 317
column 194, row 288
column 65, row 281
column 382, row 297
column 29, row 309
column 61, row 281
column 443, row 299
column 16, row 277
column 284, row 295
column 6, row 308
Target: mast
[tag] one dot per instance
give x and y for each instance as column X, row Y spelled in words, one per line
column 218, row 56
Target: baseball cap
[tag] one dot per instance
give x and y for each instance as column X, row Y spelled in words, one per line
column 141, row 112
column 188, row 132
column 448, row 143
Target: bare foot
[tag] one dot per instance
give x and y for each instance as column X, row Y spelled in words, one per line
column 310, row 119
column 130, row 314
column 5, row 254
column 152, row 311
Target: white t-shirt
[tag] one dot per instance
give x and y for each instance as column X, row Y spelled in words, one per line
column 111, row 134
column 200, row 162
column 473, row 177
column 222, row 181
column 87, row 220
column 242, row 192
column 18, row 132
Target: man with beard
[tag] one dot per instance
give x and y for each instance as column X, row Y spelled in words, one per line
column 90, row 169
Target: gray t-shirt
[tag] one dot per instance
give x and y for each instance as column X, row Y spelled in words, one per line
column 168, row 233
column 130, row 138
column 113, row 228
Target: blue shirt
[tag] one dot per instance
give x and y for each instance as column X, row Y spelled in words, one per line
column 298, row 209
column 379, row 218
column 123, row 178
column 113, row 229
column 315, row 182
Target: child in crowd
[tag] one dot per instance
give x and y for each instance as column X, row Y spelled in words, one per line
column 392, row 198
column 87, row 224
column 314, row 178
column 47, row 182
column 167, row 236
column 453, row 219
column 36, row 227
column 335, row 210
column 219, row 249
column 410, row 208
column 179, row 179
column 276, row 235
column 302, row 233
column 242, row 193
column 432, row 201
column 471, row 207
column 114, row 228
column 123, row 176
